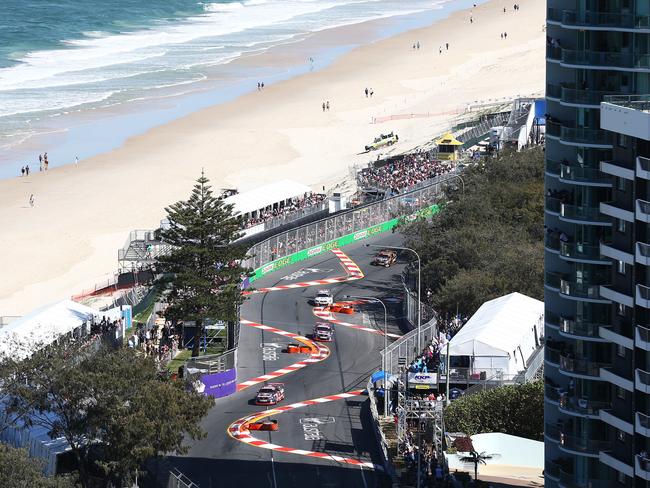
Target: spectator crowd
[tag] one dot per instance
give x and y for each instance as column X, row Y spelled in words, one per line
column 305, row 204
column 160, row 342
column 397, row 175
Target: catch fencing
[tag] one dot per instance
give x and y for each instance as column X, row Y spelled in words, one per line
column 357, row 219
column 401, row 353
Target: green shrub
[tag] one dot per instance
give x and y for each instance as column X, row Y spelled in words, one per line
column 515, row 410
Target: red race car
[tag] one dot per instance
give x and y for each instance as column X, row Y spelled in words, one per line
column 270, row 394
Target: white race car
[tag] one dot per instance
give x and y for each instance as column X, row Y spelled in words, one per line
column 323, row 332
column 323, row 298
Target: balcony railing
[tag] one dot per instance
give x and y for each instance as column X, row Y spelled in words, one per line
column 553, row 204
column 553, row 128
column 582, row 406
column 642, row 420
column 580, row 289
column 583, row 174
column 554, row 53
column 552, row 432
column 582, row 366
column 553, row 90
column 583, row 444
column 643, row 167
column 578, row 250
column 643, row 253
column 635, row 102
column 642, row 380
column 552, row 393
column 643, row 337
column 551, row 354
column 552, row 242
column 552, row 167
column 606, row 59
column 590, row 18
column 567, row 480
column 643, row 210
column 585, row 213
column 643, row 296
column 580, row 135
column 552, row 280
column 581, row 327
column 583, row 97
column 552, row 469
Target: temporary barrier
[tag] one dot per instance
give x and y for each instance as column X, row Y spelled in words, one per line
column 337, row 243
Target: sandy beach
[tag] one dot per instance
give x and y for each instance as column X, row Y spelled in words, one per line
column 82, row 214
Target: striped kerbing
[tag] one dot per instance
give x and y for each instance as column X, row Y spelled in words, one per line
column 239, row 430
column 353, row 273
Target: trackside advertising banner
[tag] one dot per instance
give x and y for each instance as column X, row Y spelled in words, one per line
column 336, row 243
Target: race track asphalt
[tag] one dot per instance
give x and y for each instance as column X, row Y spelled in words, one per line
column 345, row 427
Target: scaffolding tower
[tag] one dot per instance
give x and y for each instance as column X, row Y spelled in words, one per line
column 141, row 250
column 426, row 415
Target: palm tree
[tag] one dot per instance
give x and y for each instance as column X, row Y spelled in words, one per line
column 477, row 458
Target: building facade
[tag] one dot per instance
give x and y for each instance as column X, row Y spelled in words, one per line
column 597, row 211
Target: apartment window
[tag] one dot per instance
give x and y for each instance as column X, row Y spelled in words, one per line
column 621, row 309
column 620, row 350
column 622, row 140
column 620, row 184
column 620, row 392
column 620, row 267
column 620, row 225
column 620, row 435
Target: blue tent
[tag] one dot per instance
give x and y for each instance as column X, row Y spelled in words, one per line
column 540, row 111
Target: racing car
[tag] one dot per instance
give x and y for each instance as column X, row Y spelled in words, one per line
column 323, row 298
column 323, row 332
column 270, row 394
column 381, row 141
column 385, row 258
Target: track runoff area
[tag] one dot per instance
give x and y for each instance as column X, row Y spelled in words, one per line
column 320, row 431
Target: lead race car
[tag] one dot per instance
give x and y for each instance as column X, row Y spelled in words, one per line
column 270, row 394
column 323, row 298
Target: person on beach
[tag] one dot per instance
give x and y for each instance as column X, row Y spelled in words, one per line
column 505, row 35
column 46, row 163
column 447, row 45
column 262, row 85
column 40, row 159
column 414, row 47
column 366, row 92
column 502, row 35
column 504, row 10
column 31, row 200
column 259, row 87
column 371, row 93
column 440, row 50
column 76, row 160
column 27, row 170
column 471, row 20
column 22, row 171
column 418, row 44
column 323, row 106
column 328, row 105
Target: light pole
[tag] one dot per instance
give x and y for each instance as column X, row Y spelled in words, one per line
column 419, row 283
column 383, row 360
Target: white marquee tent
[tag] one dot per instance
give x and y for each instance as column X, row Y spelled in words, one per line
column 43, row 326
column 502, row 335
column 266, row 196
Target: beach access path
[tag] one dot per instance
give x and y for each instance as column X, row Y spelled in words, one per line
column 82, row 214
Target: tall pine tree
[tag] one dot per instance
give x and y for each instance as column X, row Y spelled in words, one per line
column 203, row 271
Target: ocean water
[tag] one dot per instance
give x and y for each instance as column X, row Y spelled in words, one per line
column 59, row 57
